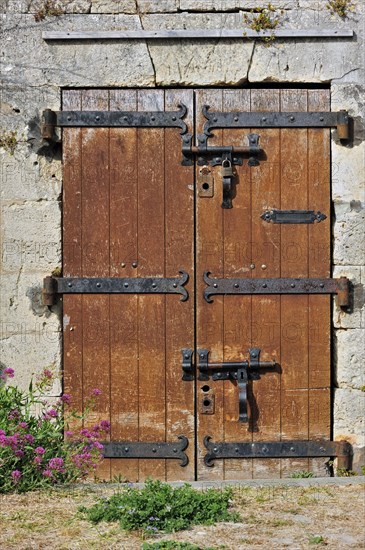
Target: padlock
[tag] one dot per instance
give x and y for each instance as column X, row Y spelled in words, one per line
column 227, row 170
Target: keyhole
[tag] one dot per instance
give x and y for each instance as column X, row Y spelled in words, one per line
column 205, row 186
column 206, row 402
column 205, row 388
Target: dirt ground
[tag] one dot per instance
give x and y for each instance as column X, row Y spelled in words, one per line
column 272, row 517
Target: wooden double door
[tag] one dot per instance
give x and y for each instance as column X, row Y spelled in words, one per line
column 132, row 210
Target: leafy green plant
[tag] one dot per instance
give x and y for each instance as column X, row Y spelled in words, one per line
column 158, row 507
column 316, row 539
column 362, row 468
column 302, row 474
column 341, row 7
column 38, row 450
column 263, row 20
column 343, row 472
column 9, row 141
column 46, row 9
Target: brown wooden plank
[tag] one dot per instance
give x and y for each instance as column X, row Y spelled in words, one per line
column 179, row 230
column 123, row 308
column 95, row 262
column 265, row 183
column 236, row 263
column 151, row 262
column 294, row 263
column 209, row 250
column 71, row 256
column 319, row 143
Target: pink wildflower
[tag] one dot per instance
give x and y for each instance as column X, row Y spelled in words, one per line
column 16, row 475
column 51, row 413
column 22, row 425
column 39, row 451
column 38, row 459
column 48, row 374
column 7, row 373
column 66, row 398
column 29, row 438
column 47, row 473
column 96, row 392
column 19, row 453
column 105, row 425
column 56, row 464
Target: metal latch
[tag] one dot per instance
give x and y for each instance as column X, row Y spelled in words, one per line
column 242, row 371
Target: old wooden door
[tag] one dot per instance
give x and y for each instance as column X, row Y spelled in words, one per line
column 131, row 210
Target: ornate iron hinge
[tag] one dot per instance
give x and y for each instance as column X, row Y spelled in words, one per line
column 241, row 371
column 225, row 286
column 240, row 119
column 111, row 119
column 137, row 449
column 113, row 285
column 279, row 449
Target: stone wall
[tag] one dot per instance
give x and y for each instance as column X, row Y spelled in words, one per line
column 33, row 71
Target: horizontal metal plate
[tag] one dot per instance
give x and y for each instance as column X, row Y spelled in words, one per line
column 274, row 286
column 293, row 216
column 240, row 119
column 118, row 119
column 275, row 449
column 161, row 450
column 116, row 285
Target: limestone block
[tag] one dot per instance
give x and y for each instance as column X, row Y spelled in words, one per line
column 363, row 308
column 350, row 352
column 21, row 306
column 28, row 354
column 352, row 317
column 113, row 6
column 348, row 176
column 198, row 62
column 349, row 248
column 28, row 178
column 29, row 60
column 31, row 237
column 349, row 415
column 157, row 6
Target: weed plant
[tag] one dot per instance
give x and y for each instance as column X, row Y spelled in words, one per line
column 38, row 450
column 158, row 507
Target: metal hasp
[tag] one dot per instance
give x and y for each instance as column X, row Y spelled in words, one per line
column 340, row 286
column 112, row 119
column 240, row 371
column 132, row 449
column 187, row 365
column 241, row 119
column 293, row 216
column 280, row 449
column 113, row 285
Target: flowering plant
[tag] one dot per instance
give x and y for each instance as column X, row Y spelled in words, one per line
column 38, row 450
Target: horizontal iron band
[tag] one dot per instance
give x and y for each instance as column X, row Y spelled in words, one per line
column 293, row 216
column 277, row 286
column 252, row 119
column 116, row 119
column 277, row 449
column 161, row 450
column 114, row 285
column 242, row 34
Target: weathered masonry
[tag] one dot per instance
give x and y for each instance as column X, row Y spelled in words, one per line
column 210, row 243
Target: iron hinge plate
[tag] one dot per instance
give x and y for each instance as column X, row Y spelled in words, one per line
column 279, row 449
column 138, row 449
column 226, row 286
column 113, row 285
column 293, row 216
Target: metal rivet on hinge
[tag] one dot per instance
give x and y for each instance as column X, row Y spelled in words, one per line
column 154, row 285
column 122, row 264
column 236, row 118
column 264, row 285
column 68, row 118
column 215, row 285
column 72, row 329
column 126, row 449
column 236, row 285
column 174, row 450
column 215, row 119
column 154, row 450
column 263, row 266
column 134, row 264
column 175, row 285
column 174, row 118
column 97, row 118
column 237, row 450
column 126, row 285
column 98, row 285
column 215, row 449
column 322, row 285
column 153, row 118
column 252, row 266
column 321, row 118
column 292, row 118
column 264, row 119
column 69, row 284
column 292, row 285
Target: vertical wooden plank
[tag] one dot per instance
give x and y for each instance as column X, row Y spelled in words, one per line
column 237, row 243
column 179, row 230
column 95, row 261
column 209, row 250
column 266, row 309
column 71, row 256
column 319, row 266
column 151, row 262
column 294, row 263
column 123, row 308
